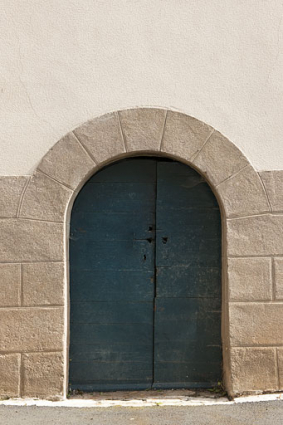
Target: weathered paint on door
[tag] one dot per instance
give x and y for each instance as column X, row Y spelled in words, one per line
column 145, row 261
column 187, row 338
column 112, row 278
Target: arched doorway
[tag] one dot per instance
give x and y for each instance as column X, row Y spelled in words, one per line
column 145, row 279
column 251, row 236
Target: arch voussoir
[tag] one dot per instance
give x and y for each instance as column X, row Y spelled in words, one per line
column 219, row 159
column 143, row 129
column 243, row 194
column 102, row 137
column 184, row 136
column 45, row 199
column 67, row 162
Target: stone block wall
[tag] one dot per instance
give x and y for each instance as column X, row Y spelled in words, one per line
column 32, row 295
column 34, row 218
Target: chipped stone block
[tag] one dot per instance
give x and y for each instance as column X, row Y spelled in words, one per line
column 43, row 374
column 31, row 329
column 142, row 128
column 253, row 370
column 43, row 284
column 250, row 279
column 10, row 285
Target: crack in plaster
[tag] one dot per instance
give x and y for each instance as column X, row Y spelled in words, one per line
column 26, row 89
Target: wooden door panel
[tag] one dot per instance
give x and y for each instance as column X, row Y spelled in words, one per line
column 124, row 312
column 187, row 338
column 112, row 255
column 124, row 333
column 121, row 225
column 188, row 188
column 111, row 352
column 115, row 255
column 128, row 285
column 187, row 236
column 187, row 319
column 199, row 280
column 112, row 376
column 118, row 197
column 188, row 375
column 186, row 352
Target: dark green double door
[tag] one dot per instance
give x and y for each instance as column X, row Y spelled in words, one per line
column 145, row 279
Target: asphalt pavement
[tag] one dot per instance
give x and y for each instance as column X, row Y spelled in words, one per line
column 256, row 413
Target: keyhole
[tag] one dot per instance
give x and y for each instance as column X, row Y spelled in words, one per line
column 144, row 257
column 150, row 229
column 164, row 240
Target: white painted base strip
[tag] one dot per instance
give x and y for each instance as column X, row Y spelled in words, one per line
column 190, row 401
column 261, row 397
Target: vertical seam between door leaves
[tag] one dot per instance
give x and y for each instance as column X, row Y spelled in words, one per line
column 155, row 276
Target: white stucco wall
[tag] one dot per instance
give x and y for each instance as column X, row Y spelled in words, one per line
column 64, row 62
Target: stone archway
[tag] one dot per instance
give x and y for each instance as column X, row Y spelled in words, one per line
column 252, row 236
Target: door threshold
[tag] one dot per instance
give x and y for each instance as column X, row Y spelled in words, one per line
column 151, row 397
column 146, row 394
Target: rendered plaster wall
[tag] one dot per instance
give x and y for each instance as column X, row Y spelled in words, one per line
column 65, row 62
